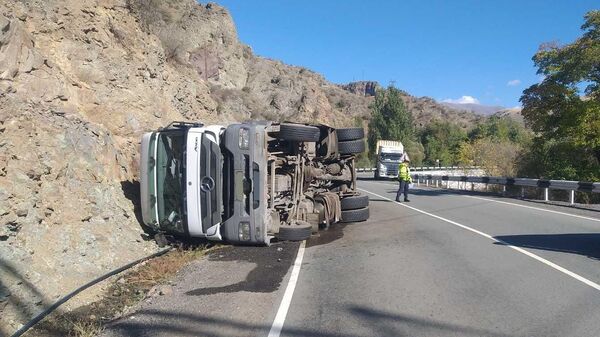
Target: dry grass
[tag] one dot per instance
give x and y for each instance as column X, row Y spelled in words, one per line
column 85, row 328
column 161, row 269
column 122, row 294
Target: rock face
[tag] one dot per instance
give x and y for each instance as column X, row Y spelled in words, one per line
column 425, row 110
column 363, row 88
column 80, row 81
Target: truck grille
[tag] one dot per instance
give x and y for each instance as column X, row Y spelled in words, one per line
column 211, row 171
column 392, row 170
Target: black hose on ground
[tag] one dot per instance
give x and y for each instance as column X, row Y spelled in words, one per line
column 60, row 302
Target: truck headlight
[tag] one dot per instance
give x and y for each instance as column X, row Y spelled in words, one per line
column 244, row 139
column 382, row 168
column 244, row 231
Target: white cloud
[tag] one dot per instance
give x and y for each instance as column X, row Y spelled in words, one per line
column 513, row 83
column 462, row 100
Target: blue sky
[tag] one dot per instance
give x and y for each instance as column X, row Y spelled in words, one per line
column 441, row 49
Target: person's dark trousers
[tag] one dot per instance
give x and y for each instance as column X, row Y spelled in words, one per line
column 403, row 188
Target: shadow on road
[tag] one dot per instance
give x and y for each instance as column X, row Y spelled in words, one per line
column 587, row 244
column 373, row 322
column 384, row 323
column 379, row 200
column 370, row 179
column 168, row 323
column 272, row 263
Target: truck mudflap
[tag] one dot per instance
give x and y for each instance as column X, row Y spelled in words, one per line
column 333, row 207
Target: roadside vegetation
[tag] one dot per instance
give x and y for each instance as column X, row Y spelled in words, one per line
column 496, row 144
column 121, row 295
column 563, row 110
column 560, row 137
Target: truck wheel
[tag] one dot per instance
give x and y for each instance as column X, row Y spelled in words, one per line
column 299, row 132
column 294, row 232
column 355, row 202
column 350, row 134
column 351, row 146
column 355, row 215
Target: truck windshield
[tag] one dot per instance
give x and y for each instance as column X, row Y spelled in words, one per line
column 391, row 156
column 169, row 179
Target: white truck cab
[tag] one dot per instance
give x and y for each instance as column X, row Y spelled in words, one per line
column 180, row 180
column 389, row 156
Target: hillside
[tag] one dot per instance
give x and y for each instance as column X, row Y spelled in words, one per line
column 80, row 81
column 513, row 113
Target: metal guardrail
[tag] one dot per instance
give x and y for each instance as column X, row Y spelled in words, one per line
column 425, row 168
column 572, row 186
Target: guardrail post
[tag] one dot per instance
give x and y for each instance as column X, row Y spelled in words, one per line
column 427, row 182
column 522, row 192
column 546, row 194
column 503, row 190
column 472, row 186
column 572, row 198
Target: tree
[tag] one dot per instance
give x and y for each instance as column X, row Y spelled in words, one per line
column 362, row 159
column 390, row 119
column 495, row 157
column 501, row 129
column 415, row 151
column 564, row 109
column 441, row 140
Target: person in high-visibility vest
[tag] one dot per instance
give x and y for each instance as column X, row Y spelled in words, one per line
column 404, row 178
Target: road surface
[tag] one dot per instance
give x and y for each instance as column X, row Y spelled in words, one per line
column 445, row 264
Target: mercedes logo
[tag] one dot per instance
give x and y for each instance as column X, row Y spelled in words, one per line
column 207, row 184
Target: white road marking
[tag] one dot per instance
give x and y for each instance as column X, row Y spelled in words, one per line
column 520, row 250
column 536, row 208
column 287, row 296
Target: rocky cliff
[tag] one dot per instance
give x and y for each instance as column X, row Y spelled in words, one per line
column 80, row 81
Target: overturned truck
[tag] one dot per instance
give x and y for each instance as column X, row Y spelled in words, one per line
column 250, row 183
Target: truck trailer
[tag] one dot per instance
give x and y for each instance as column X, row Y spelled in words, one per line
column 250, row 183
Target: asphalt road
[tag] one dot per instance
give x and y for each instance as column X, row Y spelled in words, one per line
column 445, row 264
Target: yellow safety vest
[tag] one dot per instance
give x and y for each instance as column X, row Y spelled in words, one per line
column 404, row 172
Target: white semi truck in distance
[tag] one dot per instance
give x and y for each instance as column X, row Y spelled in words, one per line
column 389, row 156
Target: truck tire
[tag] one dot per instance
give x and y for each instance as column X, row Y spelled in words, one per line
column 355, row 215
column 350, row 134
column 299, row 132
column 294, row 233
column 355, row 202
column 351, row 146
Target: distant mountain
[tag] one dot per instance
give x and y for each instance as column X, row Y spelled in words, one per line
column 424, row 110
column 485, row 110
